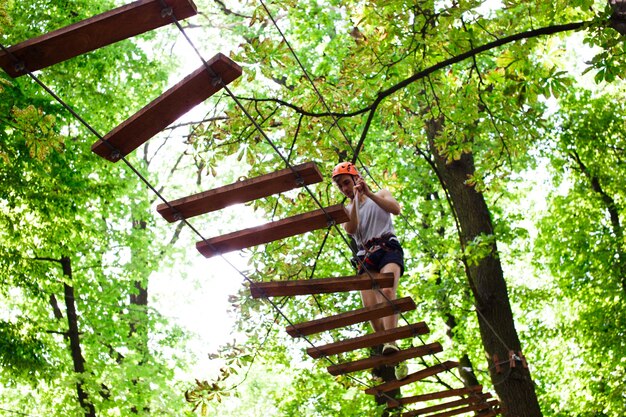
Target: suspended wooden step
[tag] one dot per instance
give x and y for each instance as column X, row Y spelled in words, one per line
column 435, row 396
column 90, row 34
column 240, row 192
column 375, row 311
column 165, row 109
column 469, row 408
column 375, row 361
column 270, row 232
column 414, row 377
column 474, row 399
column 322, row 285
column 369, row 340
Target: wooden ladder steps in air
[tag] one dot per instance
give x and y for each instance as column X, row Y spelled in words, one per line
column 414, row 377
column 487, row 408
column 93, row 33
column 368, row 340
column 272, row 231
column 145, row 15
column 321, row 285
column 471, row 390
column 478, row 401
column 165, row 109
column 241, row 192
column 352, row 317
column 383, row 360
column 249, row 190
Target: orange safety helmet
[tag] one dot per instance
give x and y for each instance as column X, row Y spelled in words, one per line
column 345, row 168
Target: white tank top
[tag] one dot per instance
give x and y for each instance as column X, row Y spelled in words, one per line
column 373, row 222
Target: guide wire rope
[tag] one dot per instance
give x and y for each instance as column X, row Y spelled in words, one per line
column 159, row 195
column 218, row 80
column 306, row 74
column 331, row 222
column 168, row 11
column 355, row 158
column 275, row 148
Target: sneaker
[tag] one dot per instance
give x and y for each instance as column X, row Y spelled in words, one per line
column 377, row 380
column 401, row 370
column 377, row 377
column 389, row 348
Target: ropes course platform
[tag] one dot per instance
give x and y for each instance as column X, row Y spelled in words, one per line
column 93, row 33
column 165, row 109
column 270, row 232
column 240, row 192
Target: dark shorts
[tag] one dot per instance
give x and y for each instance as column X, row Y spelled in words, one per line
column 391, row 253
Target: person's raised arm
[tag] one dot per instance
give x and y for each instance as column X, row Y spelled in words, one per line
column 351, row 225
column 382, row 198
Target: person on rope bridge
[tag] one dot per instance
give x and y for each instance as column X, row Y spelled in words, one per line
column 379, row 250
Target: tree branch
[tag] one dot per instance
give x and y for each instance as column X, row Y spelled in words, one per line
column 549, row 30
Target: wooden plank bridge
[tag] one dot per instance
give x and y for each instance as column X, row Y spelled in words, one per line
column 144, row 15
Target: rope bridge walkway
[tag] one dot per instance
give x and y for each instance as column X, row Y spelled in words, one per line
column 214, row 75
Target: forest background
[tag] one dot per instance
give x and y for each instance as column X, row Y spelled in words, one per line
column 499, row 126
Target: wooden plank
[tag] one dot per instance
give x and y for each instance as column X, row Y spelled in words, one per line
column 417, row 376
column 165, row 109
column 451, row 404
column 369, row 340
column 469, row 408
column 352, row 317
column 322, row 285
column 240, row 192
column 434, row 395
column 380, row 360
column 269, row 232
column 90, row 34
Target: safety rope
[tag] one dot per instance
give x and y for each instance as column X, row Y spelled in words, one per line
column 167, row 11
column 405, row 219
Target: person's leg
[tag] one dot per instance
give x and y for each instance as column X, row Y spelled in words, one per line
column 390, row 322
column 371, row 297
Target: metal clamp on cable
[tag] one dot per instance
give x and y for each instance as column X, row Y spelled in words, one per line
column 217, row 81
column 514, row 357
column 167, row 12
column 330, row 222
column 178, row 216
column 394, row 307
column 115, row 154
column 19, row 66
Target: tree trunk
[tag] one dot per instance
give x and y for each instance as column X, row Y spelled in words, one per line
column 73, row 335
column 513, row 384
column 139, row 332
